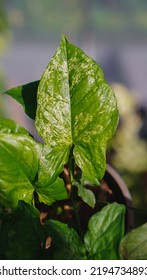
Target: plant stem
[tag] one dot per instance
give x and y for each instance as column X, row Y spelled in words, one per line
column 75, row 209
column 74, row 193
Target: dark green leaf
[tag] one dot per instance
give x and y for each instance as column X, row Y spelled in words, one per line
column 19, row 157
column 134, row 245
column 21, row 234
column 75, row 107
column 26, row 95
column 65, row 240
column 105, row 230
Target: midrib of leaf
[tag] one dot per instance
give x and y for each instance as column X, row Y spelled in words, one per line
column 69, row 91
column 60, row 58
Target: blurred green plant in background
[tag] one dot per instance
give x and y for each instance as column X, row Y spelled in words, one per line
column 104, row 18
column 4, row 34
column 127, row 151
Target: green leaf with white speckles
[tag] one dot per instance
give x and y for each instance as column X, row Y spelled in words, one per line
column 77, row 107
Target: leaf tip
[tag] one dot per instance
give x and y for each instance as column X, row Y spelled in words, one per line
column 64, row 39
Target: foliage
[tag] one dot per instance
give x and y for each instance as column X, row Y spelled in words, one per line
column 4, row 36
column 134, row 245
column 105, row 230
column 75, row 113
column 21, row 234
column 3, row 26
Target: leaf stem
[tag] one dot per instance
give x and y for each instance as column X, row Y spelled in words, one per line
column 74, row 192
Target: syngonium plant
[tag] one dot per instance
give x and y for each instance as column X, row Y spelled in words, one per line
column 75, row 114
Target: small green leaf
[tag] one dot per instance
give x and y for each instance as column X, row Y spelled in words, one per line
column 105, row 230
column 66, row 242
column 134, row 244
column 75, row 107
column 21, row 234
column 19, row 158
column 52, row 192
column 26, row 95
column 86, row 195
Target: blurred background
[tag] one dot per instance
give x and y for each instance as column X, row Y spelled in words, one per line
column 114, row 34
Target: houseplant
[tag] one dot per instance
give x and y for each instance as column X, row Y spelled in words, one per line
column 75, row 113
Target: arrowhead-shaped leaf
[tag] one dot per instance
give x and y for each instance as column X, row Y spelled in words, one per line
column 134, row 244
column 75, row 107
column 19, row 159
column 105, row 231
column 26, row 95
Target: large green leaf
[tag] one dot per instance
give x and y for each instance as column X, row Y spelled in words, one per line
column 65, row 240
column 19, row 159
column 75, row 107
column 26, row 95
column 21, row 234
column 134, row 245
column 105, row 231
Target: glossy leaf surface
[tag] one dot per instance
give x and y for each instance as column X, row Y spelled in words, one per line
column 75, row 107
column 53, row 192
column 134, row 245
column 66, row 242
column 105, row 230
column 9, row 126
column 19, row 158
column 26, row 95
